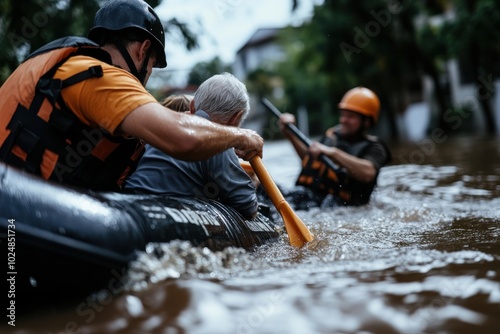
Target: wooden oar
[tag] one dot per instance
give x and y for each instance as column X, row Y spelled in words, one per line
column 298, row 233
column 246, row 167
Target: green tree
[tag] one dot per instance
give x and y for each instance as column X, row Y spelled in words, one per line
column 353, row 43
column 204, row 70
column 388, row 46
column 473, row 37
column 27, row 25
column 305, row 83
column 262, row 82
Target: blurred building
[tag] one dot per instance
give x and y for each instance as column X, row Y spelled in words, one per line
column 458, row 85
column 261, row 48
column 261, row 51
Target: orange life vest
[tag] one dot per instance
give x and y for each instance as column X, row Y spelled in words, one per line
column 44, row 137
column 317, row 176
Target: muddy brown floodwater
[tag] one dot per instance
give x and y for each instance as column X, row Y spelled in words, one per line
column 422, row 257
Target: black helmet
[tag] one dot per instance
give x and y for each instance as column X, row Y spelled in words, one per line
column 117, row 15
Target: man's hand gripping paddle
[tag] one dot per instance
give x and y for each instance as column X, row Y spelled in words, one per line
column 306, row 141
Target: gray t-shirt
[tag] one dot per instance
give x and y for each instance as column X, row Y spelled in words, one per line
column 220, row 178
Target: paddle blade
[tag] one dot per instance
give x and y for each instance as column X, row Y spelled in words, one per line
column 298, row 233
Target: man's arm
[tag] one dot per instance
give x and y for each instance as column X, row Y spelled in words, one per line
column 186, row 137
column 360, row 169
column 298, row 145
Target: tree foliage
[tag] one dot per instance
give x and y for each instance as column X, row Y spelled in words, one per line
column 473, row 37
column 204, row 70
column 387, row 46
column 348, row 44
column 27, row 25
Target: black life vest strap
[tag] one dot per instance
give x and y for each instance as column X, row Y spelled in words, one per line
column 91, row 72
column 28, row 137
column 63, row 132
column 94, row 173
column 60, row 118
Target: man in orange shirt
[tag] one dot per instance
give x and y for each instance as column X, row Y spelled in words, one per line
column 76, row 111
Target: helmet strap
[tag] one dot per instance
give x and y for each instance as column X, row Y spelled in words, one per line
column 144, row 69
column 130, row 62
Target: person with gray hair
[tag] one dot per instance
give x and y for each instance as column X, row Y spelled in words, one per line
column 222, row 99
column 77, row 112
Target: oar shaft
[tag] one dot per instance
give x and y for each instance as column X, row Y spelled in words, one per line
column 306, row 141
column 267, row 182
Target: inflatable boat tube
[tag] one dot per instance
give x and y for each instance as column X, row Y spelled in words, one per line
column 62, row 234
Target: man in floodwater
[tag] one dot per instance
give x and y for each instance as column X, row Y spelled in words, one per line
column 357, row 155
column 222, row 99
column 77, row 112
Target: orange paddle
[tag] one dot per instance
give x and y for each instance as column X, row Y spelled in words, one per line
column 298, row 233
column 246, row 167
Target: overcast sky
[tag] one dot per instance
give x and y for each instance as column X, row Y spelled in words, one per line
column 223, row 26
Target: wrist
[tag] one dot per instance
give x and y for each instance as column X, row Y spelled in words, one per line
column 333, row 152
column 241, row 138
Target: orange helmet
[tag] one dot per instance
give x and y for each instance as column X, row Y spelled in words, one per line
column 363, row 101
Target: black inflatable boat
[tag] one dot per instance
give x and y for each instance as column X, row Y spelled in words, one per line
column 61, row 235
